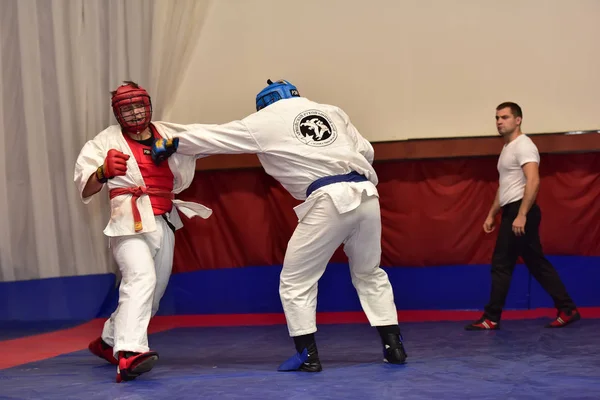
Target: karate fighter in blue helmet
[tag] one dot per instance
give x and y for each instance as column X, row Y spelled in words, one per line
column 317, row 154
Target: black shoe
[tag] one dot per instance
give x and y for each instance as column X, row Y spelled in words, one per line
column 313, row 365
column 307, row 357
column 393, row 349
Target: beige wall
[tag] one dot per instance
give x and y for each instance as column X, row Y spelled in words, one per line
column 403, row 68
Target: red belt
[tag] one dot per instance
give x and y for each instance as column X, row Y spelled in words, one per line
column 136, row 193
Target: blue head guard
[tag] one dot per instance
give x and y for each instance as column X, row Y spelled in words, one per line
column 274, row 92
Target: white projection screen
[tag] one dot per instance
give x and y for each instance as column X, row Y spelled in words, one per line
column 402, row 69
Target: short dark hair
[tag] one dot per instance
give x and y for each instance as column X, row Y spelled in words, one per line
column 131, row 83
column 515, row 109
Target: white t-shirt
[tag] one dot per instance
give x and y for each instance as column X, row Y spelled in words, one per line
column 514, row 155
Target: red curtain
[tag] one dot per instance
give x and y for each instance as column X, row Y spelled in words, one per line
column 432, row 213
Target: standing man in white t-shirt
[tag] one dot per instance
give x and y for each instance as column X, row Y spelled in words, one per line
column 519, row 234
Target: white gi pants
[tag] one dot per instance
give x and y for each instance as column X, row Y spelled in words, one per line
column 145, row 262
column 314, row 241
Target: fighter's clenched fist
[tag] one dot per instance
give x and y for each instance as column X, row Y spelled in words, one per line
column 115, row 164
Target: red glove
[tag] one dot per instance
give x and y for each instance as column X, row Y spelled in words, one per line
column 115, row 164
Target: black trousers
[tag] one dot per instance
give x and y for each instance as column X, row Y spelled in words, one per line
column 508, row 248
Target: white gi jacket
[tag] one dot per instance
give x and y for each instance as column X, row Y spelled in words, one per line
column 121, row 223
column 297, row 141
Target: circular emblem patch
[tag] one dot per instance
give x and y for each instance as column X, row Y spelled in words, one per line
column 315, row 128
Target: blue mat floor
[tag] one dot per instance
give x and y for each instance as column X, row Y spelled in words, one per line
column 522, row 361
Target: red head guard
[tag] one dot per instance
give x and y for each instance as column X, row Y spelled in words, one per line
column 132, row 107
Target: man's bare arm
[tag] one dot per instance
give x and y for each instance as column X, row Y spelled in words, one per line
column 495, row 205
column 531, row 171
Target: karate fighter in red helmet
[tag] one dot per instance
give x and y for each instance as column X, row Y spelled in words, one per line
column 144, row 217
